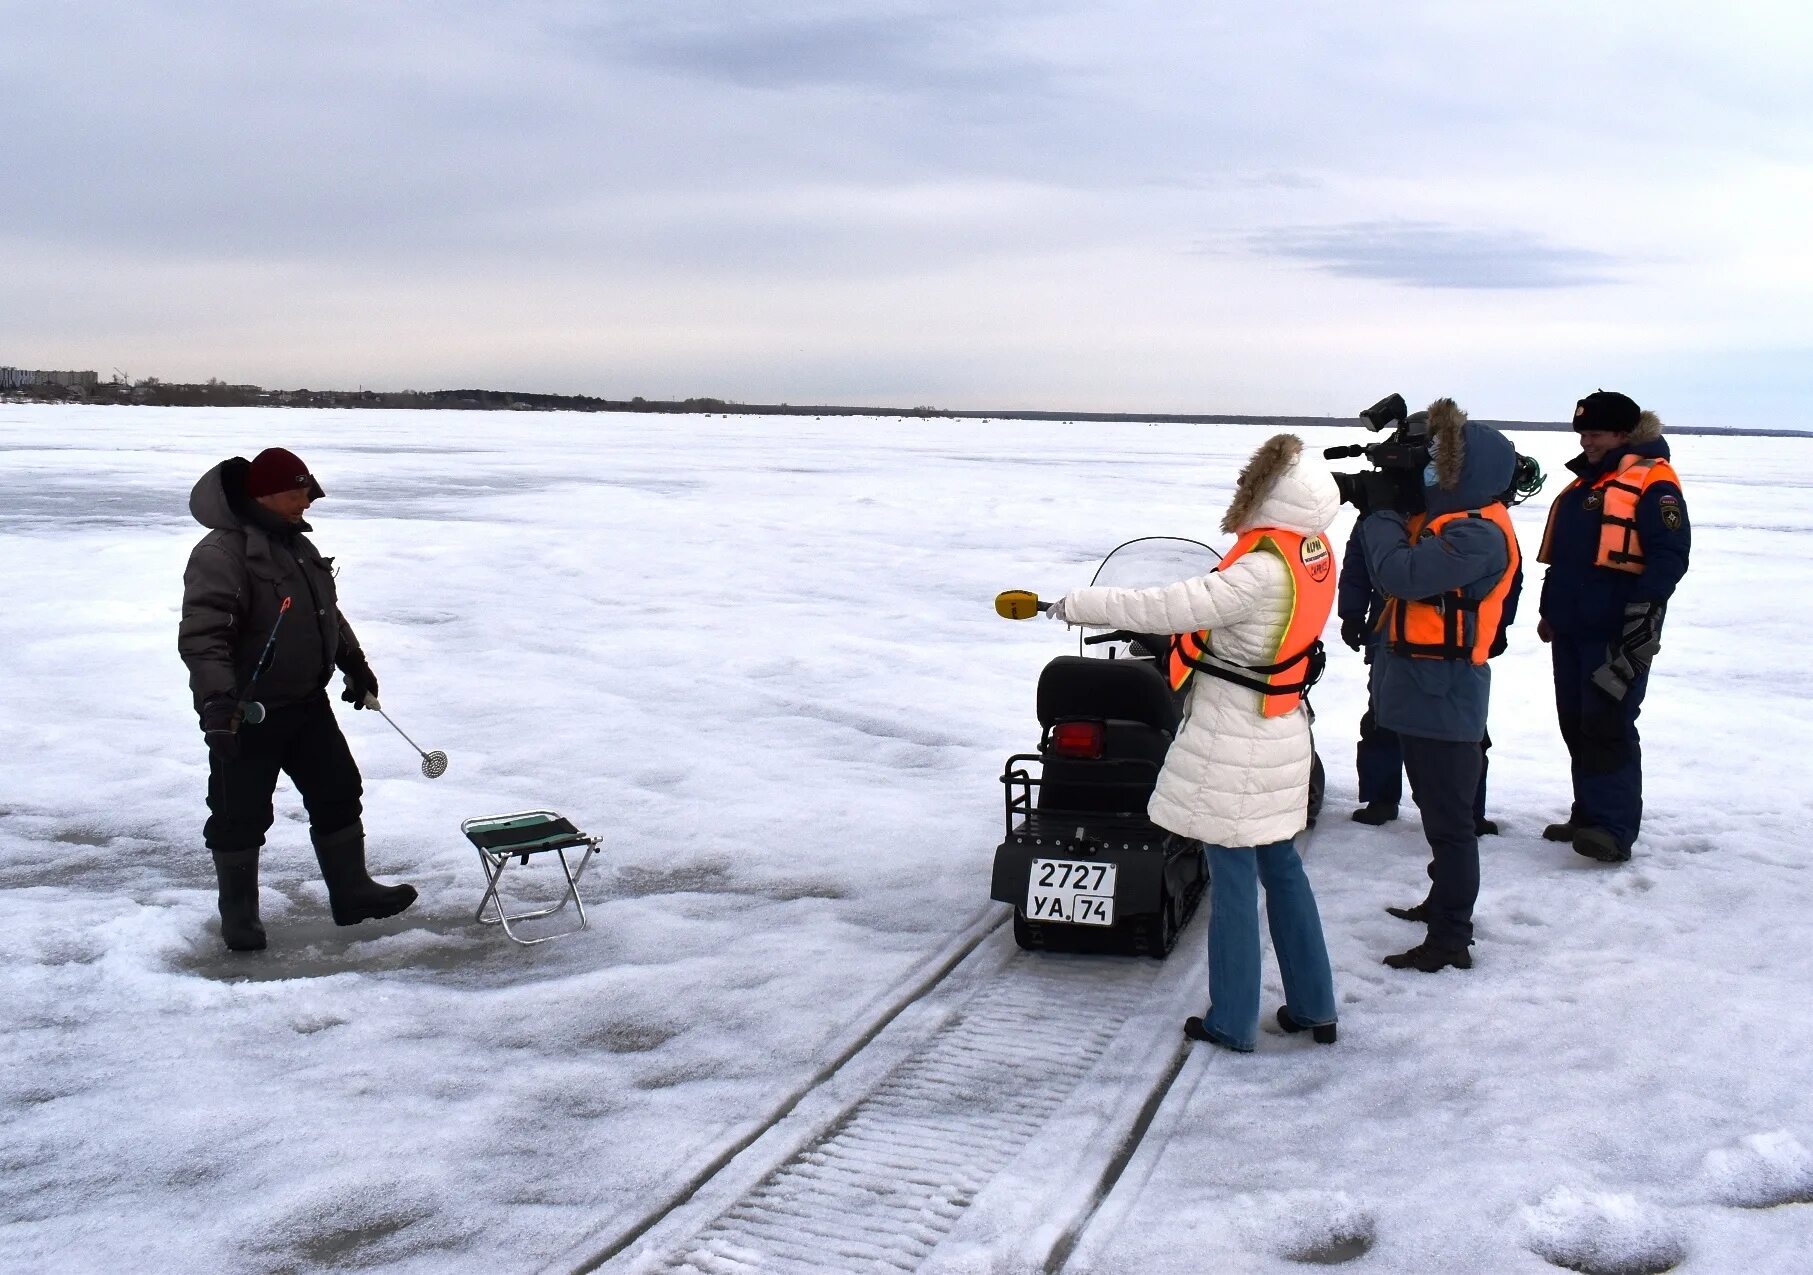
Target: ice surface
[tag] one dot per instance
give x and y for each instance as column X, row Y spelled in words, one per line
column 759, row 657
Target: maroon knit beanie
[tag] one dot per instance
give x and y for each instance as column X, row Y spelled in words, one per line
column 276, row 469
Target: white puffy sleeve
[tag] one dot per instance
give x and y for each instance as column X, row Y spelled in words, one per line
column 1202, row 602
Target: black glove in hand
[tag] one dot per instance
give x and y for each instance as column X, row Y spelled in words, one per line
column 360, row 680
column 1629, row 657
column 220, row 715
column 1642, row 636
column 1353, row 631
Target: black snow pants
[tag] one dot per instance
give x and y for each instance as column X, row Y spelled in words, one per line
column 1444, row 776
column 302, row 741
column 1603, row 745
column 1379, row 759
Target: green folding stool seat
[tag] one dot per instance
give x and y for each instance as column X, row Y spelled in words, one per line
column 505, row 839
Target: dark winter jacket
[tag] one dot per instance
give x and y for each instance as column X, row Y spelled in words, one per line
column 1442, row 699
column 1582, row 601
column 1355, row 598
column 235, row 583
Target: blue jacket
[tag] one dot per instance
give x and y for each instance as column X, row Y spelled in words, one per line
column 1585, row 602
column 1355, row 598
column 1442, row 699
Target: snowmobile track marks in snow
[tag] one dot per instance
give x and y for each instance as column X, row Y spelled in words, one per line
column 980, row 1126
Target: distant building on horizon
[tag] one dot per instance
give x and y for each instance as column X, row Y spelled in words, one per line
column 18, row 378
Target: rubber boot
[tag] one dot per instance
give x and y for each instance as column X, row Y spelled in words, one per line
column 240, row 927
column 351, row 893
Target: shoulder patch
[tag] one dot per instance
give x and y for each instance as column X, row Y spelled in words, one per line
column 1594, row 499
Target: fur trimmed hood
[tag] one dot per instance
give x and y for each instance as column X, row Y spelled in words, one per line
column 1649, row 429
column 1471, row 464
column 1281, row 487
column 1447, row 441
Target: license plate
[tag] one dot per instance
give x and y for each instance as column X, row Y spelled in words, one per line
column 1072, row 891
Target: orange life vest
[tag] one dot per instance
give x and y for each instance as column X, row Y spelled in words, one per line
column 1452, row 626
column 1615, row 494
column 1297, row 656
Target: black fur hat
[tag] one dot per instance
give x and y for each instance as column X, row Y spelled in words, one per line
column 1607, row 410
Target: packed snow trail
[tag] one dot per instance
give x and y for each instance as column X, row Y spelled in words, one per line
column 1010, row 1098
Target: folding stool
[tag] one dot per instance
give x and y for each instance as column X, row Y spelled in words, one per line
column 502, row 838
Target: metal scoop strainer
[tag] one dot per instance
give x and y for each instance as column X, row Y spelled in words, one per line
column 434, row 764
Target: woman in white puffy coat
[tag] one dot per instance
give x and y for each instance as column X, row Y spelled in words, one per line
column 1234, row 779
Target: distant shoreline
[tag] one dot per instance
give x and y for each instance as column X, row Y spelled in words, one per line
column 513, row 401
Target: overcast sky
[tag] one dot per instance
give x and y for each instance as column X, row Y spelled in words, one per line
column 1118, row 204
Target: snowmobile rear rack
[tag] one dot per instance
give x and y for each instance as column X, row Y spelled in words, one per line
column 501, row 838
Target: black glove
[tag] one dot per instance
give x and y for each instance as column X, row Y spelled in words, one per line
column 1629, row 657
column 220, row 716
column 1353, row 631
column 360, row 680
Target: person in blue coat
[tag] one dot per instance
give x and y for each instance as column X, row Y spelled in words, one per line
column 1450, row 576
column 1378, row 756
column 1616, row 547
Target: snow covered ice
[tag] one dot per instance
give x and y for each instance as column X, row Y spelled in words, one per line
column 758, row 657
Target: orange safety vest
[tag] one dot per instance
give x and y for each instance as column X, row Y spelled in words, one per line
column 1619, row 491
column 1297, row 657
column 1439, row 628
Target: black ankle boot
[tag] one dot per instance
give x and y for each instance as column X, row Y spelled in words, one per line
column 1322, row 1033
column 351, row 893
column 1376, row 813
column 240, row 928
column 1430, row 959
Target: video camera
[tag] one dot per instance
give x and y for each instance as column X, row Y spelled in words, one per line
column 1396, row 480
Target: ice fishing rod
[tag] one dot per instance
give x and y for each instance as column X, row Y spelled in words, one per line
column 434, row 764
column 251, row 710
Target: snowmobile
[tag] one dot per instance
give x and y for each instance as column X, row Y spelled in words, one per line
column 1083, row 867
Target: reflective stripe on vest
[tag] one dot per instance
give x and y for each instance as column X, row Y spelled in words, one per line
column 1452, row 626
column 1297, row 655
column 1620, row 490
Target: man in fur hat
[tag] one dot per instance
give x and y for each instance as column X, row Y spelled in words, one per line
column 1451, row 577
column 1616, row 547
column 261, row 624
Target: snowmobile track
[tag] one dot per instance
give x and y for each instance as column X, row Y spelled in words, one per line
column 881, row 1177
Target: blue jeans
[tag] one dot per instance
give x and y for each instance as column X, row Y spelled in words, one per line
column 1290, row 910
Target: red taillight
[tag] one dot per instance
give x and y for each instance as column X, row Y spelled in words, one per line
column 1078, row 739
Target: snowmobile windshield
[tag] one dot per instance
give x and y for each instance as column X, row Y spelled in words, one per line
column 1147, row 563
column 1152, row 561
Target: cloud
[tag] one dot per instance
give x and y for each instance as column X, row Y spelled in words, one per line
column 1427, row 254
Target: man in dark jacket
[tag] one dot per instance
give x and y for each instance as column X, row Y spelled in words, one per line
column 1616, row 545
column 1378, row 756
column 1450, row 577
column 262, row 634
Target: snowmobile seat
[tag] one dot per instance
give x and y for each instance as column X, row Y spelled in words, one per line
column 1140, row 717
column 505, row 839
column 1075, row 686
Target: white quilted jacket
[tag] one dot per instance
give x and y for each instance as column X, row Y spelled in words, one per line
column 1232, row 776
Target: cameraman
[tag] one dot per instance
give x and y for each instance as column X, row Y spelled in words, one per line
column 1378, row 756
column 1450, row 575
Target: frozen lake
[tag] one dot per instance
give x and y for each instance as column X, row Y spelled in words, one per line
column 758, row 656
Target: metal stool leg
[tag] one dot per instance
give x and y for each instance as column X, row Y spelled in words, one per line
column 494, row 864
